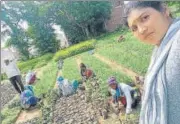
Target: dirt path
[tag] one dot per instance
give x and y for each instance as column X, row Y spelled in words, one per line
column 78, row 61
column 25, row 116
column 58, row 74
column 115, row 66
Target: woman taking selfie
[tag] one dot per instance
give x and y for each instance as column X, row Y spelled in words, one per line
column 151, row 22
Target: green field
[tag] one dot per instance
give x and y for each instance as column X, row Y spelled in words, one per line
column 70, row 69
column 130, row 53
column 47, row 79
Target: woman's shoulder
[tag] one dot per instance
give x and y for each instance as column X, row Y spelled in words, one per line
column 173, row 60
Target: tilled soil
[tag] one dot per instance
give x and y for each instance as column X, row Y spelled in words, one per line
column 7, row 92
column 74, row 110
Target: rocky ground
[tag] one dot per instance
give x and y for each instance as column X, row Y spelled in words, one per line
column 74, row 110
column 7, row 92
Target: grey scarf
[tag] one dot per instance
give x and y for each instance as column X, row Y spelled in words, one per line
column 154, row 104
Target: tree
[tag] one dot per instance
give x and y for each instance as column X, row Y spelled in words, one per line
column 40, row 29
column 40, row 32
column 81, row 19
column 10, row 17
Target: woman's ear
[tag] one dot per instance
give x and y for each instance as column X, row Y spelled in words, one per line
column 166, row 11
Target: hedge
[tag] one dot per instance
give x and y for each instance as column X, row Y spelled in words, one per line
column 75, row 49
column 33, row 63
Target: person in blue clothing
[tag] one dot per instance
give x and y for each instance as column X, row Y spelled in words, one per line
column 67, row 87
column 28, row 98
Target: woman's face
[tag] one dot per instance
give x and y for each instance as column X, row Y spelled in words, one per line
column 113, row 86
column 148, row 24
column 6, row 62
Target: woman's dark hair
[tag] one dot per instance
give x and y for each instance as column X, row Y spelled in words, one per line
column 82, row 65
column 157, row 5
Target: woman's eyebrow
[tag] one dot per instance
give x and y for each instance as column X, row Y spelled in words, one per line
column 140, row 16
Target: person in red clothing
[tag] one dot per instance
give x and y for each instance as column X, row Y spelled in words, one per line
column 86, row 73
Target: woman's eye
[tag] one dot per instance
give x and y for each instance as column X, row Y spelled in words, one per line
column 145, row 18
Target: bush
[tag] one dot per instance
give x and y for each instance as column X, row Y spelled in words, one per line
column 34, row 63
column 75, row 49
column 40, row 64
column 10, row 115
column 11, row 111
column 3, row 77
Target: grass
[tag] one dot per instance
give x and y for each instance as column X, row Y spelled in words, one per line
column 130, row 53
column 10, row 115
column 103, row 71
column 70, row 69
column 11, row 111
column 47, row 79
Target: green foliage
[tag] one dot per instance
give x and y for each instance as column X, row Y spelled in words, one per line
column 3, row 77
column 47, row 79
column 43, row 37
column 11, row 18
column 11, row 111
column 10, row 115
column 174, row 7
column 130, row 53
column 70, row 69
column 75, row 49
column 81, row 19
column 102, row 70
column 35, row 63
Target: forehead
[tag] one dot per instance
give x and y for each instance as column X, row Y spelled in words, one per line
column 136, row 13
column 113, row 84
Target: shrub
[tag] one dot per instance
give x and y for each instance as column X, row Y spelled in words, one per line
column 75, row 49
column 34, row 63
column 3, row 77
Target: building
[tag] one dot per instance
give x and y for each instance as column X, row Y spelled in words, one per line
column 117, row 16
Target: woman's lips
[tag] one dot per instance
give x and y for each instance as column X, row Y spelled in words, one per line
column 148, row 35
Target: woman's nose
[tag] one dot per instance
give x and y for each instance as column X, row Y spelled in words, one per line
column 142, row 29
